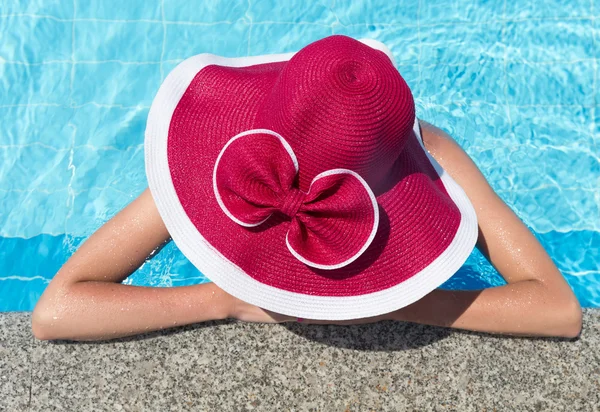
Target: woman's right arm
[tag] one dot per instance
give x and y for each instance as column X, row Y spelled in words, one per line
column 85, row 300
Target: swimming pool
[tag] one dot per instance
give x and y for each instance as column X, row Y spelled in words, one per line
column 516, row 83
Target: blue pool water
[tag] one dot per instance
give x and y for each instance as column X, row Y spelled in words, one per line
column 516, row 83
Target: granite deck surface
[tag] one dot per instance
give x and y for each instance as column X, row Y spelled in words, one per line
column 230, row 366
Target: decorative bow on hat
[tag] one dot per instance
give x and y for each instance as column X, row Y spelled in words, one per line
column 330, row 226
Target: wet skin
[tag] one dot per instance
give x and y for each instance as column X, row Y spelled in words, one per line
column 86, row 301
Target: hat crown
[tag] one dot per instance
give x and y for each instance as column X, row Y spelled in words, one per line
column 341, row 104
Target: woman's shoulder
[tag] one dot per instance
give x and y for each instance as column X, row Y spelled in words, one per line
column 434, row 138
column 454, row 160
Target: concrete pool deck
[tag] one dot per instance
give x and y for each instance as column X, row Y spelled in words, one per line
column 229, row 366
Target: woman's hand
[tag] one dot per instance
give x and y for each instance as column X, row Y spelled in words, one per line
column 246, row 312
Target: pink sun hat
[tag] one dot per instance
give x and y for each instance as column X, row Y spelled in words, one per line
column 299, row 182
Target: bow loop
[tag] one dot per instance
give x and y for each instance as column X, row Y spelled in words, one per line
column 330, row 226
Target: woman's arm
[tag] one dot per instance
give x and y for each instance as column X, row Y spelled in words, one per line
column 536, row 300
column 85, row 302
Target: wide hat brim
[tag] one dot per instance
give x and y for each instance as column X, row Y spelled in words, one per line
column 427, row 229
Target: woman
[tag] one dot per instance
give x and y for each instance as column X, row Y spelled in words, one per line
column 85, row 300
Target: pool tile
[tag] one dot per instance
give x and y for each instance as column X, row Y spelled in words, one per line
column 57, row 9
column 19, row 251
column 375, row 12
column 48, row 125
column 574, row 251
column 168, row 66
column 549, row 40
column 596, row 127
column 132, row 178
column 49, row 172
column 490, row 160
column 559, row 126
column 410, row 74
column 184, row 40
column 25, row 292
column 121, row 170
column 402, row 41
column 115, row 84
column 475, row 127
column 39, row 32
column 130, row 42
column 213, row 11
column 551, row 84
column 547, row 9
column 31, row 262
column 459, row 11
column 552, row 208
column 534, row 167
column 117, row 9
column 93, row 207
column 445, row 44
column 481, row 81
column 40, row 84
column 96, row 168
column 284, row 37
column 115, row 127
column 294, row 11
column 29, row 213
column 597, row 92
column 586, row 288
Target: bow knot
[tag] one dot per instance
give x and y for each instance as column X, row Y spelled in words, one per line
column 330, row 226
column 292, row 202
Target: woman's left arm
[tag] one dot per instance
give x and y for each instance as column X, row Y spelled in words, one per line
column 536, row 301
